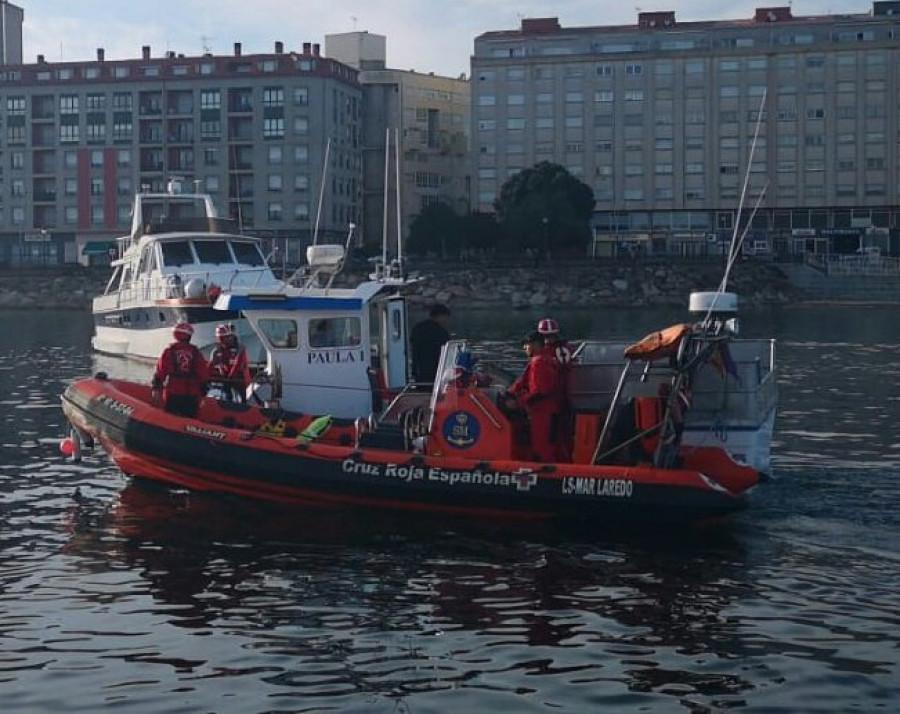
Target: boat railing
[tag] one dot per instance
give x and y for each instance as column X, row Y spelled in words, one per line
column 743, row 392
column 173, row 286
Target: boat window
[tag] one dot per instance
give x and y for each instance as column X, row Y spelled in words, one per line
column 213, row 251
column 334, row 332
column 279, row 333
column 247, row 253
column 176, row 252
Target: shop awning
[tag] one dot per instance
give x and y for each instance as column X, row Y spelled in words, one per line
column 98, row 247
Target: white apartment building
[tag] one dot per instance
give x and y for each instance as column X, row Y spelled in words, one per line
column 658, row 118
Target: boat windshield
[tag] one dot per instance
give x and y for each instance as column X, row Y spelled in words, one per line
column 213, row 251
column 176, row 253
column 247, row 253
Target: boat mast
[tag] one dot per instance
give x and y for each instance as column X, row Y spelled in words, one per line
column 397, row 188
column 384, row 221
column 321, row 191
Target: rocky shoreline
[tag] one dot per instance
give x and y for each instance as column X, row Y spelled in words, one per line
column 564, row 285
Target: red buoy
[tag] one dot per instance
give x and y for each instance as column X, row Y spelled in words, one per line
column 67, row 446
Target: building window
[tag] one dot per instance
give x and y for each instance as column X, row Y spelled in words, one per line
column 122, row 130
column 211, row 156
column 487, row 100
column 275, row 182
column 207, row 68
column 301, row 182
column 95, row 101
column 301, row 96
column 210, row 99
column 301, row 126
column 96, row 159
column 15, row 105
column 71, row 187
column 71, row 214
column 634, row 68
column 273, row 97
column 17, row 187
column 301, row 154
column 95, row 133
column 301, row 211
column 274, row 211
column 68, row 134
column 211, row 184
column 275, row 154
column 273, row 128
column 120, row 71
column 515, row 123
column 124, row 188
column 634, row 95
column 122, row 101
column 97, row 215
column 211, row 129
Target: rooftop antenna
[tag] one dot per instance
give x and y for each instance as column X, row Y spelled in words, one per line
column 353, row 18
column 204, row 42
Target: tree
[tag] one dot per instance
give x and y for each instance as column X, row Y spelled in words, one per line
column 435, row 229
column 546, row 206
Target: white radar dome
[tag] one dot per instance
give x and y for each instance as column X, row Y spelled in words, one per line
column 194, row 288
column 713, row 302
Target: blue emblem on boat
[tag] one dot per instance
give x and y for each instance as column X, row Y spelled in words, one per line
column 461, row 430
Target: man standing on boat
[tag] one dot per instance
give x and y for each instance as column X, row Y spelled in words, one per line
column 559, row 353
column 537, row 393
column 181, row 373
column 426, row 341
column 228, row 364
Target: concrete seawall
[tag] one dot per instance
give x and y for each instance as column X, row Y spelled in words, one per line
column 570, row 284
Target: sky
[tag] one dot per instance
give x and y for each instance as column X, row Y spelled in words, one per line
column 423, row 35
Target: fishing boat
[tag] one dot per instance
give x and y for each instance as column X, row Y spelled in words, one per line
column 334, row 420
column 176, row 259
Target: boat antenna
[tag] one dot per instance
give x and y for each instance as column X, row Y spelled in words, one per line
column 738, row 240
column 321, row 191
column 397, row 188
column 384, row 222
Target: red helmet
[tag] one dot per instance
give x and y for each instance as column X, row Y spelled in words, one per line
column 548, row 326
column 222, row 332
column 183, row 331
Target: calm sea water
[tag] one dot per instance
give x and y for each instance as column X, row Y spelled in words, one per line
column 113, row 595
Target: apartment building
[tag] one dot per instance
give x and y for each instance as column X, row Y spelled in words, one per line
column 78, row 139
column 430, row 114
column 659, row 118
column 11, row 18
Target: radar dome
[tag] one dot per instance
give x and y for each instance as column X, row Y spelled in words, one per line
column 194, row 288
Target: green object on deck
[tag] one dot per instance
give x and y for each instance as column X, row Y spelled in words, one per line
column 316, row 428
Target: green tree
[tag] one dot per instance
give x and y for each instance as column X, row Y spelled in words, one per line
column 545, row 206
column 437, row 228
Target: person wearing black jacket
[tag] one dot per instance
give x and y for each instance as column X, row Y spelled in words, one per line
column 426, row 340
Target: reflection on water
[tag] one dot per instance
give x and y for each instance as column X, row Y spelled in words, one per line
column 115, row 593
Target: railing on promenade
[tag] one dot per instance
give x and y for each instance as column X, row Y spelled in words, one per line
column 854, row 264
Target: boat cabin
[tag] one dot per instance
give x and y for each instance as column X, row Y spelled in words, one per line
column 335, row 351
column 178, row 248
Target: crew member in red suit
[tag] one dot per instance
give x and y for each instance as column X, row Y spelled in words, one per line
column 181, row 373
column 537, row 393
column 228, row 364
column 560, row 353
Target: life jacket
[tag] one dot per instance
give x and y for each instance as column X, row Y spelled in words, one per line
column 182, row 369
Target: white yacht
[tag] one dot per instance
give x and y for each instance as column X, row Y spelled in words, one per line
column 171, row 267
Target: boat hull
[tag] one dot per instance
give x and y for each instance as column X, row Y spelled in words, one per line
column 229, row 452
